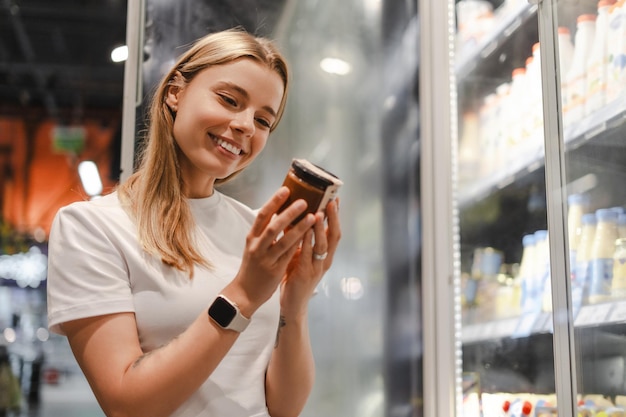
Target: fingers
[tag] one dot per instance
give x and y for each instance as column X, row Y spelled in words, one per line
column 269, row 209
column 333, row 231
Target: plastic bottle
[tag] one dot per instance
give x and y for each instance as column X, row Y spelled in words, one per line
column 488, row 132
column 576, row 208
column 618, row 287
column 501, row 146
column 526, row 272
column 511, row 118
column 535, row 97
column 597, row 65
column 616, row 72
column 621, row 225
column 541, row 273
column 520, row 408
column 601, row 257
column 566, row 55
column 580, row 282
column 575, row 79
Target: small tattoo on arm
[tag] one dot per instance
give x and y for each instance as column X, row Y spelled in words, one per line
column 141, row 358
column 145, row 355
column 281, row 323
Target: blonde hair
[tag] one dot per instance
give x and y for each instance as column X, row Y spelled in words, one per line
column 153, row 196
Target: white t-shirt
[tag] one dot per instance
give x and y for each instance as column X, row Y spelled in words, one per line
column 96, row 266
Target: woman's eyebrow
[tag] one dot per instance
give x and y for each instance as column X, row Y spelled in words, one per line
column 246, row 96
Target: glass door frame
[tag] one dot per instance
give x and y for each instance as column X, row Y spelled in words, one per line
column 556, row 198
column 440, row 255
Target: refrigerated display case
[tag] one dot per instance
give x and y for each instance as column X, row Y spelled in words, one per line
column 538, row 104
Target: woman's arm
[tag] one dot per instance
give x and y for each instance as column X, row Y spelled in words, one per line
column 291, row 371
column 128, row 382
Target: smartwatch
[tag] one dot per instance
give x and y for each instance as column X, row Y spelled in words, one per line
column 227, row 315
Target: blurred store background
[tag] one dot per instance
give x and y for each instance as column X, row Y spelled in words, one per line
column 354, row 66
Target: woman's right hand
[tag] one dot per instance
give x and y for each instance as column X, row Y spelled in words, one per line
column 270, row 245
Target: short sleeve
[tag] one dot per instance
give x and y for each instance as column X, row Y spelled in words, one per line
column 87, row 273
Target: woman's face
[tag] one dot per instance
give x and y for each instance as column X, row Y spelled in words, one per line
column 223, row 119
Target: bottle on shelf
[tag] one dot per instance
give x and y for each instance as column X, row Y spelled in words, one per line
column 621, row 225
column 520, row 408
column 535, row 99
column 541, row 275
column 597, row 66
column 576, row 208
column 469, row 148
column 575, row 78
column 526, row 272
column 580, row 282
column 601, row 256
column 616, row 49
column 501, row 146
column 618, row 286
column 515, row 125
column 566, row 54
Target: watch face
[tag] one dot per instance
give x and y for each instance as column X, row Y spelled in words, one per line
column 222, row 312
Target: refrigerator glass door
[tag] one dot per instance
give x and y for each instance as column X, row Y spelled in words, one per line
column 504, row 244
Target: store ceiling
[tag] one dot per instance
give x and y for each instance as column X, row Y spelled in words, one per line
column 55, row 54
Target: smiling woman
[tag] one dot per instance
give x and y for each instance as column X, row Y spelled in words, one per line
column 183, row 289
column 222, row 118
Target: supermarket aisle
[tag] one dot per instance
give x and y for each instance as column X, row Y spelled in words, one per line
column 70, row 398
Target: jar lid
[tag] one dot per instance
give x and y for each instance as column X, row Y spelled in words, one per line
column 314, row 174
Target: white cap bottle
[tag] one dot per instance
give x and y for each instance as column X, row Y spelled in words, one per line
column 575, row 79
column 597, row 66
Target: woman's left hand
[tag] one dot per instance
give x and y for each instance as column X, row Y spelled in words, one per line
column 311, row 261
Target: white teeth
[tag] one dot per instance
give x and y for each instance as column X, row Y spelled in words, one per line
column 229, row 147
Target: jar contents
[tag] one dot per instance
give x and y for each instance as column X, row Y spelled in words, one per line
column 311, row 183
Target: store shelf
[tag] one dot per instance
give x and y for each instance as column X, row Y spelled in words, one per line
column 593, row 129
column 472, row 56
column 596, row 315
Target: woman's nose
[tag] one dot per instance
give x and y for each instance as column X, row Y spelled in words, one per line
column 243, row 122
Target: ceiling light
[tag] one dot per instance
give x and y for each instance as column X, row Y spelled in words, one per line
column 90, row 178
column 119, row 54
column 335, row 66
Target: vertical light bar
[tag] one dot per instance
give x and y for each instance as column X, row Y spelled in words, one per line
column 442, row 360
column 556, row 194
column 132, row 84
column 90, row 178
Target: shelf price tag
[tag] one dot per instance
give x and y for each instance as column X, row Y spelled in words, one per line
column 505, row 328
column 544, row 324
column 526, row 324
column 592, row 314
column 618, row 314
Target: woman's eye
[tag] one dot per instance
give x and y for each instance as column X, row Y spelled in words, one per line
column 229, row 100
column 264, row 123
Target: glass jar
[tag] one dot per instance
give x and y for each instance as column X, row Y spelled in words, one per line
column 311, row 183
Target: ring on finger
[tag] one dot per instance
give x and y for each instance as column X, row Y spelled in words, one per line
column 320, row 256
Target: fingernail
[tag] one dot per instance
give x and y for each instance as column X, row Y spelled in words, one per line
column 283, row 191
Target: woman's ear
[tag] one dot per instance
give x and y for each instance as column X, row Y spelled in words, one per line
column 174, row 88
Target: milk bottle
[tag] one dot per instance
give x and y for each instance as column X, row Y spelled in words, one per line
column 512, row 120
column 580, row 282
column 616, row 72
column 597, row 65
column 535, row 99
column 621, row 225
column 526, row 271
column 618, row 287
column 575, row 79
column 576, row 208
column 541, row 273
column 601, row 256
column 566, row 55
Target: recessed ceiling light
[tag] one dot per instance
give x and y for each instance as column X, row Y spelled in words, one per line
column 335, row 66
column 119, row 54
